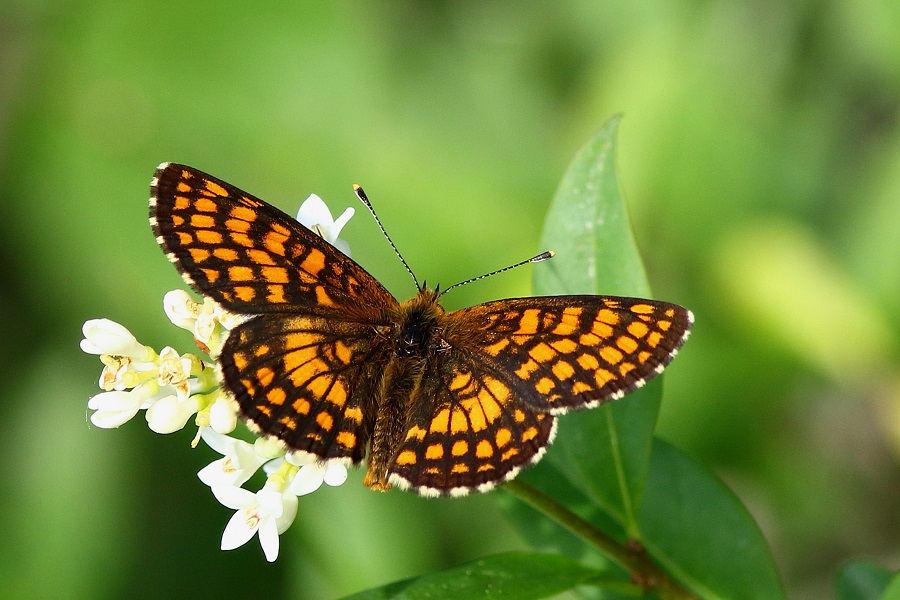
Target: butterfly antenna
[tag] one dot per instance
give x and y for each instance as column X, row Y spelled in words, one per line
column 534, row 259
column 365, row 200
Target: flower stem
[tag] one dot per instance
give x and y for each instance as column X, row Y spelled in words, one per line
column 631, row 556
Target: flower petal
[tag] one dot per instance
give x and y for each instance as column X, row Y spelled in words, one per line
column 307, row 480
column 314, row 212
column 335, row 474
column 268, row 538
column 238, row 531
column 234, row 497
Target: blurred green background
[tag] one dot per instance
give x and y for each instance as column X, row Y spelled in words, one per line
column 760, row 157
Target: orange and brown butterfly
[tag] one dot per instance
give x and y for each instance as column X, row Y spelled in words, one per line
column 331, row 364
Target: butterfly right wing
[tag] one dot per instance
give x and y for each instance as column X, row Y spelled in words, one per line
column 249, row 256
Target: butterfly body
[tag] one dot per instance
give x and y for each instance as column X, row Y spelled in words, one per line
column 331, row 364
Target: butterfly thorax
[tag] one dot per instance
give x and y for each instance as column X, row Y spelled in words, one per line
column 415, row 338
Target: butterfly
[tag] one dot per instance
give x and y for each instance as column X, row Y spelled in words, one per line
column 332, row 365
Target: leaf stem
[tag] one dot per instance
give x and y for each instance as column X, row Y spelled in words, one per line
column 632, row 557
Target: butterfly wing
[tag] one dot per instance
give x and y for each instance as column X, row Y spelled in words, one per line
column 572, row 352
column 466, row 430
column 487, row 399
column 306, row 370
column 251, row 257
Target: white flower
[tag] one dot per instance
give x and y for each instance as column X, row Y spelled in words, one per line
column 269, row 512
column 171, row 413
column 223, row 414
column 313, row 472
column 205, row 320
column 102, row 336
column 314, row 214
column 238, row 463
column 117, row 407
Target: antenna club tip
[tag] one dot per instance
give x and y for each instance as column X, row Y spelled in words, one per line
column 356, row 187
column 551, row 253
column 543, row 256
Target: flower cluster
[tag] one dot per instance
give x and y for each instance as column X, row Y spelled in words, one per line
column 171, row 388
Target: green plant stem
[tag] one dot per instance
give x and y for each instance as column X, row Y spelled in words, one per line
column 632, row 558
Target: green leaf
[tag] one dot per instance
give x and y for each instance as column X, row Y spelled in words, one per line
column 518, row 575
column 605, row 452
column 861, row 580
column 893, row 589
column 701, row 533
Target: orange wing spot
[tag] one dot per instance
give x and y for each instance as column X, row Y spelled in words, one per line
column 325, row 421
column 276, row 396
column 261, row 350
column 265, row 375
column 643, row 356
column 181, row 202
column 318, row 386
column 207, row 236
column 288, row 422
column 563, row 370
column 407, row 457
column 298, row 358
column 182, row 186
column 249, row 385
column 240, row 361
column 264, row 410
column 177, row 221
column 247, row 294
column 459, row 422
column 434, row 452
column 569, row 322
column 415, row 431
column 260, row 257
column 342, row 351
column 525, row 371
column 610, row 355
column 602, row 329
column 509, row 453
column 274, row 243
column 215, row 188
column 302, row 340
column 279, row 228
column 337, row 395
column 242, row 239
column 226, row 254
column 519, row 416
column 654, row 338
column 664, row 325
column 589, row 339
column 602, row 377
column 529, row 434
column 564, row 346
column 322, row 297
column 460, row 447
column 441, row 422
column 638, row 329
column 202, row 221
column 528, row 322
column 484, row 449
column 355, row 414
column 237, row 225
column 607, row 316
column 626, row 344
column 314, row 262
column 642, row 309
column 542, row 352
column 460, row 468
column 485, row 467
column 240, row 273
column 302, row 406
column 346, row 439
column 544, row 386
column 460, row 381
column 580, row 387
column 198, row 254
column 276, row 294
column 205, row 205
column 626, row 368
column 275, row 274
column 497, row 348
column 498, row 391
column 502, row 437
column 588, row 362
column 243, row 213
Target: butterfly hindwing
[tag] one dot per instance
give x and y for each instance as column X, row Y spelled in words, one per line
column 248, row 255
column 307, row 381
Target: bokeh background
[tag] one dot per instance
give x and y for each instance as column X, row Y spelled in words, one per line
column 759, row 155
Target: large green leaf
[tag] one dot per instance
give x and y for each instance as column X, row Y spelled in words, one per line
column 862, row 580
column 518, row 575
column 604, row 452
column 700, row 532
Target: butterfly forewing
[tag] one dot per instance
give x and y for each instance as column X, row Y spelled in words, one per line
column 251, row 257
